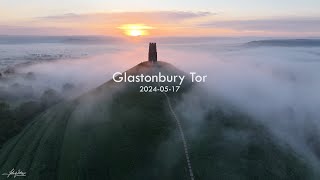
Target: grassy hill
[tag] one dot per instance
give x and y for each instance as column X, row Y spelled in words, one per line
column 116, row 132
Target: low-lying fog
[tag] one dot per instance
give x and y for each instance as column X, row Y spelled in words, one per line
column 279, row 86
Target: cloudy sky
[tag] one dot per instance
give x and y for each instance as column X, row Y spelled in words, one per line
column 298, row 18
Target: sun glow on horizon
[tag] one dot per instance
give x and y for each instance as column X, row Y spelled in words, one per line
column 135, row 30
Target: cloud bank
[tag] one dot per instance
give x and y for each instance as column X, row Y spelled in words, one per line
column 165, row 23
column 303, row 25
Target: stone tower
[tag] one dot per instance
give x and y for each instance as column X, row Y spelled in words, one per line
column 153, row 57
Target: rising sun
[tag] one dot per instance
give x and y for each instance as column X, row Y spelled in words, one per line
column 135, row 30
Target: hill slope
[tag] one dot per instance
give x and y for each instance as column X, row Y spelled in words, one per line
column 116, row 132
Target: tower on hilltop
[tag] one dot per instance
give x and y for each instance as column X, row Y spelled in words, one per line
column 153, row 57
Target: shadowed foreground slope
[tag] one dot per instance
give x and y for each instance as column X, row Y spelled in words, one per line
column 116, row 132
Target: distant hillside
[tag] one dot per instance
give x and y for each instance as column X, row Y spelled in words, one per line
column 116, row 132
column 286, row 43
column 11, row 39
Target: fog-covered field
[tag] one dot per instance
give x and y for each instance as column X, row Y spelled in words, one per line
column 277, row 85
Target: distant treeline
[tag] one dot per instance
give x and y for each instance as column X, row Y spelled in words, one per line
column 286, row 43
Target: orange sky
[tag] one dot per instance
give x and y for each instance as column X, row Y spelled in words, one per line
column 162, row 23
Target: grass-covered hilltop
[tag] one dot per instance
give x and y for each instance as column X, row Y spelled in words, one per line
column 116, row 132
